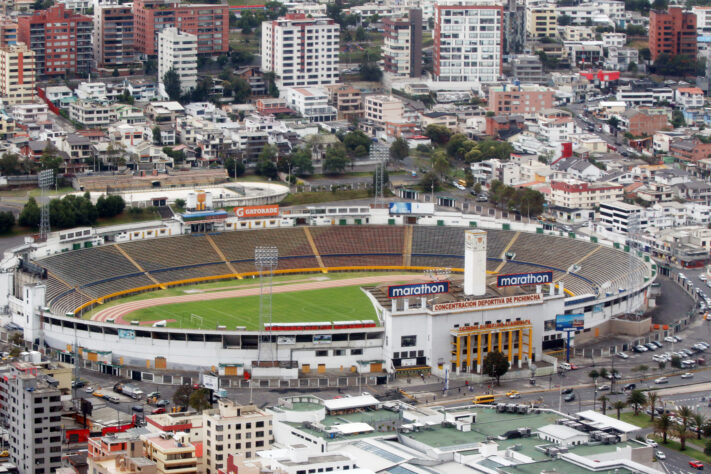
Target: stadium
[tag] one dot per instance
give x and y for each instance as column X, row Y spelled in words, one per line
column 161, row 295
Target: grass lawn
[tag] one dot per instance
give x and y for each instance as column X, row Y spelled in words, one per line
column 240, row 3
column 227, row 285
column 126, row 218
column 329, row 304
column 239, row 40
column 638, row 44
column 640, row 420
column 326, row 196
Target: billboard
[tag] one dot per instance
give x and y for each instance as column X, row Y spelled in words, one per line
column 322, row 339
column 411, row 208
column 418, row 289
column 569, row 322
column 490, row 303
column 126, row 334
column 271, row 210
column 286, row 340
column 519, row 279
column 209, row 381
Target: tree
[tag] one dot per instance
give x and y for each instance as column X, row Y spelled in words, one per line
column 200, row 400
column 565, row 20
column 613, row 122
column 632, row 67
column 370, row 72
column 357, row 143
column 171, row 82
column 157, row 139
column 663, row 425
column 604, row 373
column 477, row 188
column 685, row 413
column 660, row 5
column 240, row 90
column 682, row 433
column 495, row 365
column 698, row 421
column 636, row 398
column 619, row 405
column 30, row 215
column 603, row 399
column 430, row 182
column 594, row 374
column 110, row 206
column 181, row 397
column 469, row 177
column 360, row 34
column 399, row 150
column 115, row 73
column 440, row 164
column 678, row 121
column 676, row 362
column 235, row 167
column 7, row 220
column 438, row 133
column 336, row 160
column 300, row 161
column 180, row 203
column 652, row 398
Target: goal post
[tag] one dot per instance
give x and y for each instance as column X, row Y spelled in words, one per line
column 199, row 319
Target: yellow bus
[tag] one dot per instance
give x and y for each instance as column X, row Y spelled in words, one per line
column 483, row 399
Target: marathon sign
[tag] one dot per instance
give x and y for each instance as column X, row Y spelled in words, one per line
column 257, row 211
column 418, row 289
column 520, row 279
column 489, row 303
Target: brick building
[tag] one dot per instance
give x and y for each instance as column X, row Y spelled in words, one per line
column 60, row 38
column 690, row 150
column 525, row 99
column 672, row 32
column 641, row 123
column 210, row 23
column 114, row 36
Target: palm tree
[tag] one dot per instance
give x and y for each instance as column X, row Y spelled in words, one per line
column 594, row 374
column 604, row 373
column 619, row 405
column 663, row 424
column 683, row 433
column 603, row 399
column 636, row 398
column 698, row 421
column 652, row 398
column 685, row 413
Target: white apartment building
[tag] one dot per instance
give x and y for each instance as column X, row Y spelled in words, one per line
column 600, row 12
column 610, row 40
column 468, row 41
column 689, row 97
column 645, row 98
column 92, row 114
column 30, row 113
column 32, row 408
column 298, row 460
column 92, row 91
column 703, row 20
column 311, row 103
column 382, row 109
column 622, row 217
column 232, row 428
column 301, row 51
column 178, row 51
column 575, row 194
column 17, row 74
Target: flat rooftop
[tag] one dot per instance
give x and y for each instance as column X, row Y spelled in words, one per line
column 557, row 465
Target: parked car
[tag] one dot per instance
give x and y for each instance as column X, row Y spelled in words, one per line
column 652, row 443
column 112, row 398
column 640, row 348
column 570, row 397
column 137, row 408
column 697, row 465
column 89, row 389
column 687, row 375
column 158, row 411
column 670, row 339
column 604, row 387
column 660, row 455
column 630, row 386
column 661, row 380
column 651, row 346
column 658, row 344
column 162, row 403
column 567, row 391
column 702, row 277
column 622, row 355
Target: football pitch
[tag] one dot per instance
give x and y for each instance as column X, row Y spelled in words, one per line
column 346, row 303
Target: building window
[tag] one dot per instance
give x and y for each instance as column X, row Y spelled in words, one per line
column 408, row 341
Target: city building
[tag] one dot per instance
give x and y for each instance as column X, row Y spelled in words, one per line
column 527, row 68
column 210, row 23
column 92, row 114
column 621, row 58
column 460, row 56
column 382, row 109
column 301, row 51
column 639, row 122
column 514, row 27
column 614, row 40
column 17, row 74
column 60, row 38
column 32, row 407
column 541, row 22
column 672, row 32
column 622, row 217
column 177, row 51
column 311, row 103
column 171, row 453
column 519, row 99
column 402, row 48
column 114, row 36
column 703, row 20
column 233, row 428
column 575, row 194
column 691, row 149
column 8, row 31
column 347, row 100
column 689, row 97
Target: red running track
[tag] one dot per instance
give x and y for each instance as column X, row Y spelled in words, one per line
column 119, row 311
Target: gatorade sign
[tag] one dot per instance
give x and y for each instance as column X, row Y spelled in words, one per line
column 257, row 211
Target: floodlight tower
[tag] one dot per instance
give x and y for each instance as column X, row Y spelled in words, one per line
column 379, row 153
column 45, row 180
column 266, row 259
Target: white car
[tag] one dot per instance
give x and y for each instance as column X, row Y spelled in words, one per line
column 622, row 355
column 687, row 375
column 652, row 443
column 670, row 339
column 702, row 277
column 660, row 455
column 661, row 380
column 89, row 389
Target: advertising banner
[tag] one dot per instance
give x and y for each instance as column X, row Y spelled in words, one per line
column 489, row 303
column 322, row 339
column 569, row 321
column 519, row 279
column 418, row 289
column 209, row 381
column 126, row 334
column 271, row 210
column 411, row 208
column 284, row 340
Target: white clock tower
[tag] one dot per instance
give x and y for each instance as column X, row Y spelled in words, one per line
column 474, row 262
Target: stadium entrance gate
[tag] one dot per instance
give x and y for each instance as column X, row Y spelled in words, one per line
column 471, row 343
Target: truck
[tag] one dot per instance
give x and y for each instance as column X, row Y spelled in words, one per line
column 128, row 390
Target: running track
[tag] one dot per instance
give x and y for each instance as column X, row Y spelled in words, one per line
column 119, row 311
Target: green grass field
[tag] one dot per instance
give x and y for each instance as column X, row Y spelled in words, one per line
column 331, row 304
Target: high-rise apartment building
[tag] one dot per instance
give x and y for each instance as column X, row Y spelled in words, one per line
column 114, row 36
column 17, row 74
column 402, row 47
column 210, row 23
column 672, row 32
column 542, row 22
column 301, row 51
column 703, row 20
column 8, row 31
column 60, row 38
column 32, row 407
column 232, row 428
column 178, row 51
column 468, row 41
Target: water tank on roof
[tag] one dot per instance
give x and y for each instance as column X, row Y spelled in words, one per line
column 25, row 356
column 35, row 357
